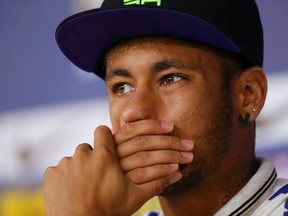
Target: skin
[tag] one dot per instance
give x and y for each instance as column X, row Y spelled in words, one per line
column 174, row 133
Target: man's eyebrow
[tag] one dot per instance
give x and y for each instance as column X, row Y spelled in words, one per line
column 156, row 67
column 110, row 74
column 171, row 63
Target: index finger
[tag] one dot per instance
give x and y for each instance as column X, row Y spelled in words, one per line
column 143, row 127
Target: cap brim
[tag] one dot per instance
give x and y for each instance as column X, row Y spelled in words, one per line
column 85, row 37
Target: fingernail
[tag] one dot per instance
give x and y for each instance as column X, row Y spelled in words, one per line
column 175, row 177
column 187, row 155
column 174, row 166
column 167, row 125
column 188, row 144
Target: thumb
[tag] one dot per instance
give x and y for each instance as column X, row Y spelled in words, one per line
column 103, row 138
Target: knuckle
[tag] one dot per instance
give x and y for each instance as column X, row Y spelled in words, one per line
column 64, row 161
column 142, row 157
column 82, row 150
column 159, row 168
column 140, row 140
column 84, row 146
column 137, row 176
column 170, row 155
column 171, row 140
column 160, row 186
column 48, row 172
column 127, row 129
column 100, row 129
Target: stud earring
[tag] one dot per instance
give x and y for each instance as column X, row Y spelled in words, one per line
column 254, row 109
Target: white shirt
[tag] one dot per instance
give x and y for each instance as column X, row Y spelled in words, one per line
column 263, row 195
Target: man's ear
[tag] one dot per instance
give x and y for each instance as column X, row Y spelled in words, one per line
column 251, row 90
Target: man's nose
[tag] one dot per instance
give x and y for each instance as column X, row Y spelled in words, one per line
column 143, row 104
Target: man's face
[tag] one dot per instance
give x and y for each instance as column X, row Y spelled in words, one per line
column 178, row 82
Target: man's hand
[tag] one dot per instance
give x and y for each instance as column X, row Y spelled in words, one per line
column 148, row 151
column 92, row 182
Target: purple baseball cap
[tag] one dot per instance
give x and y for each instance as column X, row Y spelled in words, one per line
column 232, row 25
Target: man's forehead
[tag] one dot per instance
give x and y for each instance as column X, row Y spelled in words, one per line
column 135, row 44
column 148, row 43
column 193, row 56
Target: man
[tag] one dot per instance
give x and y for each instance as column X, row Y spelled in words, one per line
column 185, row 85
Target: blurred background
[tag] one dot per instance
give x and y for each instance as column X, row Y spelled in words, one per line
column 48, row 106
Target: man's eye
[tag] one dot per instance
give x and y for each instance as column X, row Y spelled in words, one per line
column 171, row 78
column 122, row 88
